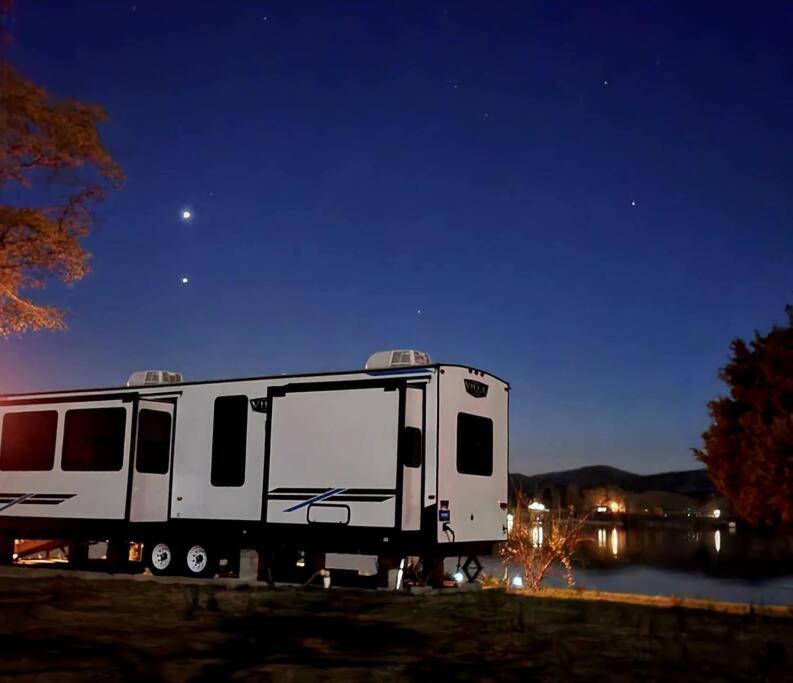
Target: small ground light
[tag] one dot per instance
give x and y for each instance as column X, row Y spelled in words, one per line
column 717, row 513
column 517, row 582
column 458, row 576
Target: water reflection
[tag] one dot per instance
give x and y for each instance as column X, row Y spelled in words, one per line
column 712, row 560
column 601, row 538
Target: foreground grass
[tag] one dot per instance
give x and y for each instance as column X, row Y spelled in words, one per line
column 68, row 629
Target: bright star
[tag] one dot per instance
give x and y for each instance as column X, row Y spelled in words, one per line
column 184, row 280
column 187, row 214
column 633, row 203
column 605, row 82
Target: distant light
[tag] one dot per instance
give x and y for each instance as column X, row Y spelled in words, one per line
column 458, row 576
column 731, row 525
column 716, row 513
column 601, row 508
column 517, row 582
column 615, row 542
column 537, row 505
column 615, row 506
column 187, row 215
column 510, row 522
column 184, row 280
column 717, row 540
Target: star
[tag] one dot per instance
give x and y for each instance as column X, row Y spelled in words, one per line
column 186, row 214
column 633, row 203
column 605, row 82
column 184, row 280
column 418, row 312
column 486, row 115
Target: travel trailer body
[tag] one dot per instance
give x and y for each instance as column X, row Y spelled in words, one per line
column 388, row 462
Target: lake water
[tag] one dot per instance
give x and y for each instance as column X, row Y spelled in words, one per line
column 715, row 562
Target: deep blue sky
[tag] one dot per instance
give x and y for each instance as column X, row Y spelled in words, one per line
column 349, row 164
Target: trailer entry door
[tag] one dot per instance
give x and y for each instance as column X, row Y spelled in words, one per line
column 151, row 475
column 411, row 446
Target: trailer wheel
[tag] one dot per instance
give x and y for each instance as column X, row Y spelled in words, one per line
column 160, row 558
column 200, row 561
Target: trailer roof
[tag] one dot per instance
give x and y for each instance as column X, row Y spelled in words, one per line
column 375, row 373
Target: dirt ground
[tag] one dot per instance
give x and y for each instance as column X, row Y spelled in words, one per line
column 66, row 628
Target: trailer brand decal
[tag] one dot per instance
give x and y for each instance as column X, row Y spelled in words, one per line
column 309, row 496
column 476, row 389
column 9, row 499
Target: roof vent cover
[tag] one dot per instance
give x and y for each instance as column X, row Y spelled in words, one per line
column 397, row 359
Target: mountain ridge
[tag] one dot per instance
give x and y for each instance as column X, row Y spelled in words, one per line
column 686, row 482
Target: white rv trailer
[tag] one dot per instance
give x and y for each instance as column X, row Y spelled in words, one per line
column 395, row 460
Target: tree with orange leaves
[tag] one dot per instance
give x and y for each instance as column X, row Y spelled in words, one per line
column 42, row 137
column 749, row 444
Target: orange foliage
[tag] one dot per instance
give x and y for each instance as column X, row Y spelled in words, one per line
column 43, row 136
column 536, row 554
column 749, row 444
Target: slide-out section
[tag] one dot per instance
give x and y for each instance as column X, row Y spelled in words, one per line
column 65, row 459
column 333, row 457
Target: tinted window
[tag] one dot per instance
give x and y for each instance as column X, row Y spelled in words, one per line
column 474, row 445
column 154, row 442
column 229, row 433
column 28, row 441
column 410, row 447
column 93, row 440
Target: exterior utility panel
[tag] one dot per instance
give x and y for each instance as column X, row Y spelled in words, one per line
column 392, row 462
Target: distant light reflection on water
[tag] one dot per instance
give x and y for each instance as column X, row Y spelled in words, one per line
column 698, row 563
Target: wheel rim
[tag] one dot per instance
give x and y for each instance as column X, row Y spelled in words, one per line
column 161, row 556
column 197, row 559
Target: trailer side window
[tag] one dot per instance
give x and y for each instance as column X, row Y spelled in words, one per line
column 93, row 440
column 410, row 447
column 154, row 442
column 474, row 445
column 229, row 434
column 28, row 441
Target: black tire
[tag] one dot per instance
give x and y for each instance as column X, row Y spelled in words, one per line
column 162, row 558
column 200, row 561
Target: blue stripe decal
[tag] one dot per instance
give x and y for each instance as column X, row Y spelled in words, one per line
column 315, row 499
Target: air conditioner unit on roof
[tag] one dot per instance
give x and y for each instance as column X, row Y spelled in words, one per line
column 397, row 359
column 154, row 377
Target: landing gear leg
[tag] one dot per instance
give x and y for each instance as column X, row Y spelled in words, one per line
column 431, row 572
column 6, row 550
column 472, row 568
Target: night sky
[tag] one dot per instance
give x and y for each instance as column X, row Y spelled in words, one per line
column 587, row 199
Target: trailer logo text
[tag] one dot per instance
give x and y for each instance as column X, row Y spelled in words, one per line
column 476, row 389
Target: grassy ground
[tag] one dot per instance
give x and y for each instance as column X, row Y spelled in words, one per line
column 66, row 628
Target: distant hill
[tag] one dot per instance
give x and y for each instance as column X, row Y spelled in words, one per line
column 687, row 482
